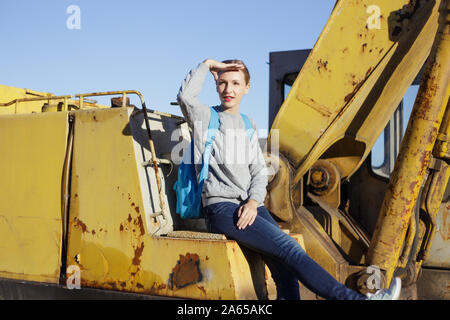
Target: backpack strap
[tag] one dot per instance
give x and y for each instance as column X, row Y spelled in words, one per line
column 248, row 126
column 213, row 127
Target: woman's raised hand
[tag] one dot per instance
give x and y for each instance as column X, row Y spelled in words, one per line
column 216, row 66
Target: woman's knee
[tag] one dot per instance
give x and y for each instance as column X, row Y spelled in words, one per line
column 290, row 250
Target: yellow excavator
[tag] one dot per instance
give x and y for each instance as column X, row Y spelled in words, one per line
column 87, row 207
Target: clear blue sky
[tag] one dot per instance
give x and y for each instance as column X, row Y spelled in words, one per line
column 151, row 45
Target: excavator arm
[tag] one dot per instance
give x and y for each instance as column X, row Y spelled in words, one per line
column 352, row 82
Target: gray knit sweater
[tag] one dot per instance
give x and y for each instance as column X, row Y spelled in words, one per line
column 237, row 171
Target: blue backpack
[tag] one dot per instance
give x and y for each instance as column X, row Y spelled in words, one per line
column 187, row 188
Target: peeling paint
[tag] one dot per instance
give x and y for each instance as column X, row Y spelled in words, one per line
column 186, row 271
column 322, row 65
column 140, row 224
column 137, row 254
column 78, row 223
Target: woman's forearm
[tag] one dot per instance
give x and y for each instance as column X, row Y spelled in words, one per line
column 190, row 88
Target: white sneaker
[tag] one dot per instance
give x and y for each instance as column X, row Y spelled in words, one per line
column 390, row 294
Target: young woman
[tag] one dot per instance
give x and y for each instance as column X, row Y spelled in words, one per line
column 233, row 195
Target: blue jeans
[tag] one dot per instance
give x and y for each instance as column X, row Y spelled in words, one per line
column 286, row 259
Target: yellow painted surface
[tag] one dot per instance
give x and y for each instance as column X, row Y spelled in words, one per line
column 105, row 221
column 21, row 101
column 33, row 150
column 225, row 272
column 342, row 95
column 8, row 94
column 410, row 171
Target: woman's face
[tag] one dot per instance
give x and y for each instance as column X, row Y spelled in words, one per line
column 231, row 87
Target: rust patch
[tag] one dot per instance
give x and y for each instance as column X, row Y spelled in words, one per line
column 186, row 271
column 121, row 227
column 137, row 254
column 412, row 186
column 426, row 96
column 322, row 65
column 129, row 218
column 424, row 160
column 138, row 221
column 139, row 286
column 433, row 135
column 202, row 289
column 364, row 46
column 136, row 209
column 357, row 85
column 161, row 286
column 78, row 223
column 157, row 287
column 445, row 230
column 351, row 94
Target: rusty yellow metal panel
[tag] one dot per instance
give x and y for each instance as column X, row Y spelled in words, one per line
column 109, row 235
column 364, row 61
column 199, row 269
column 33, row 151
column 106, row 225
